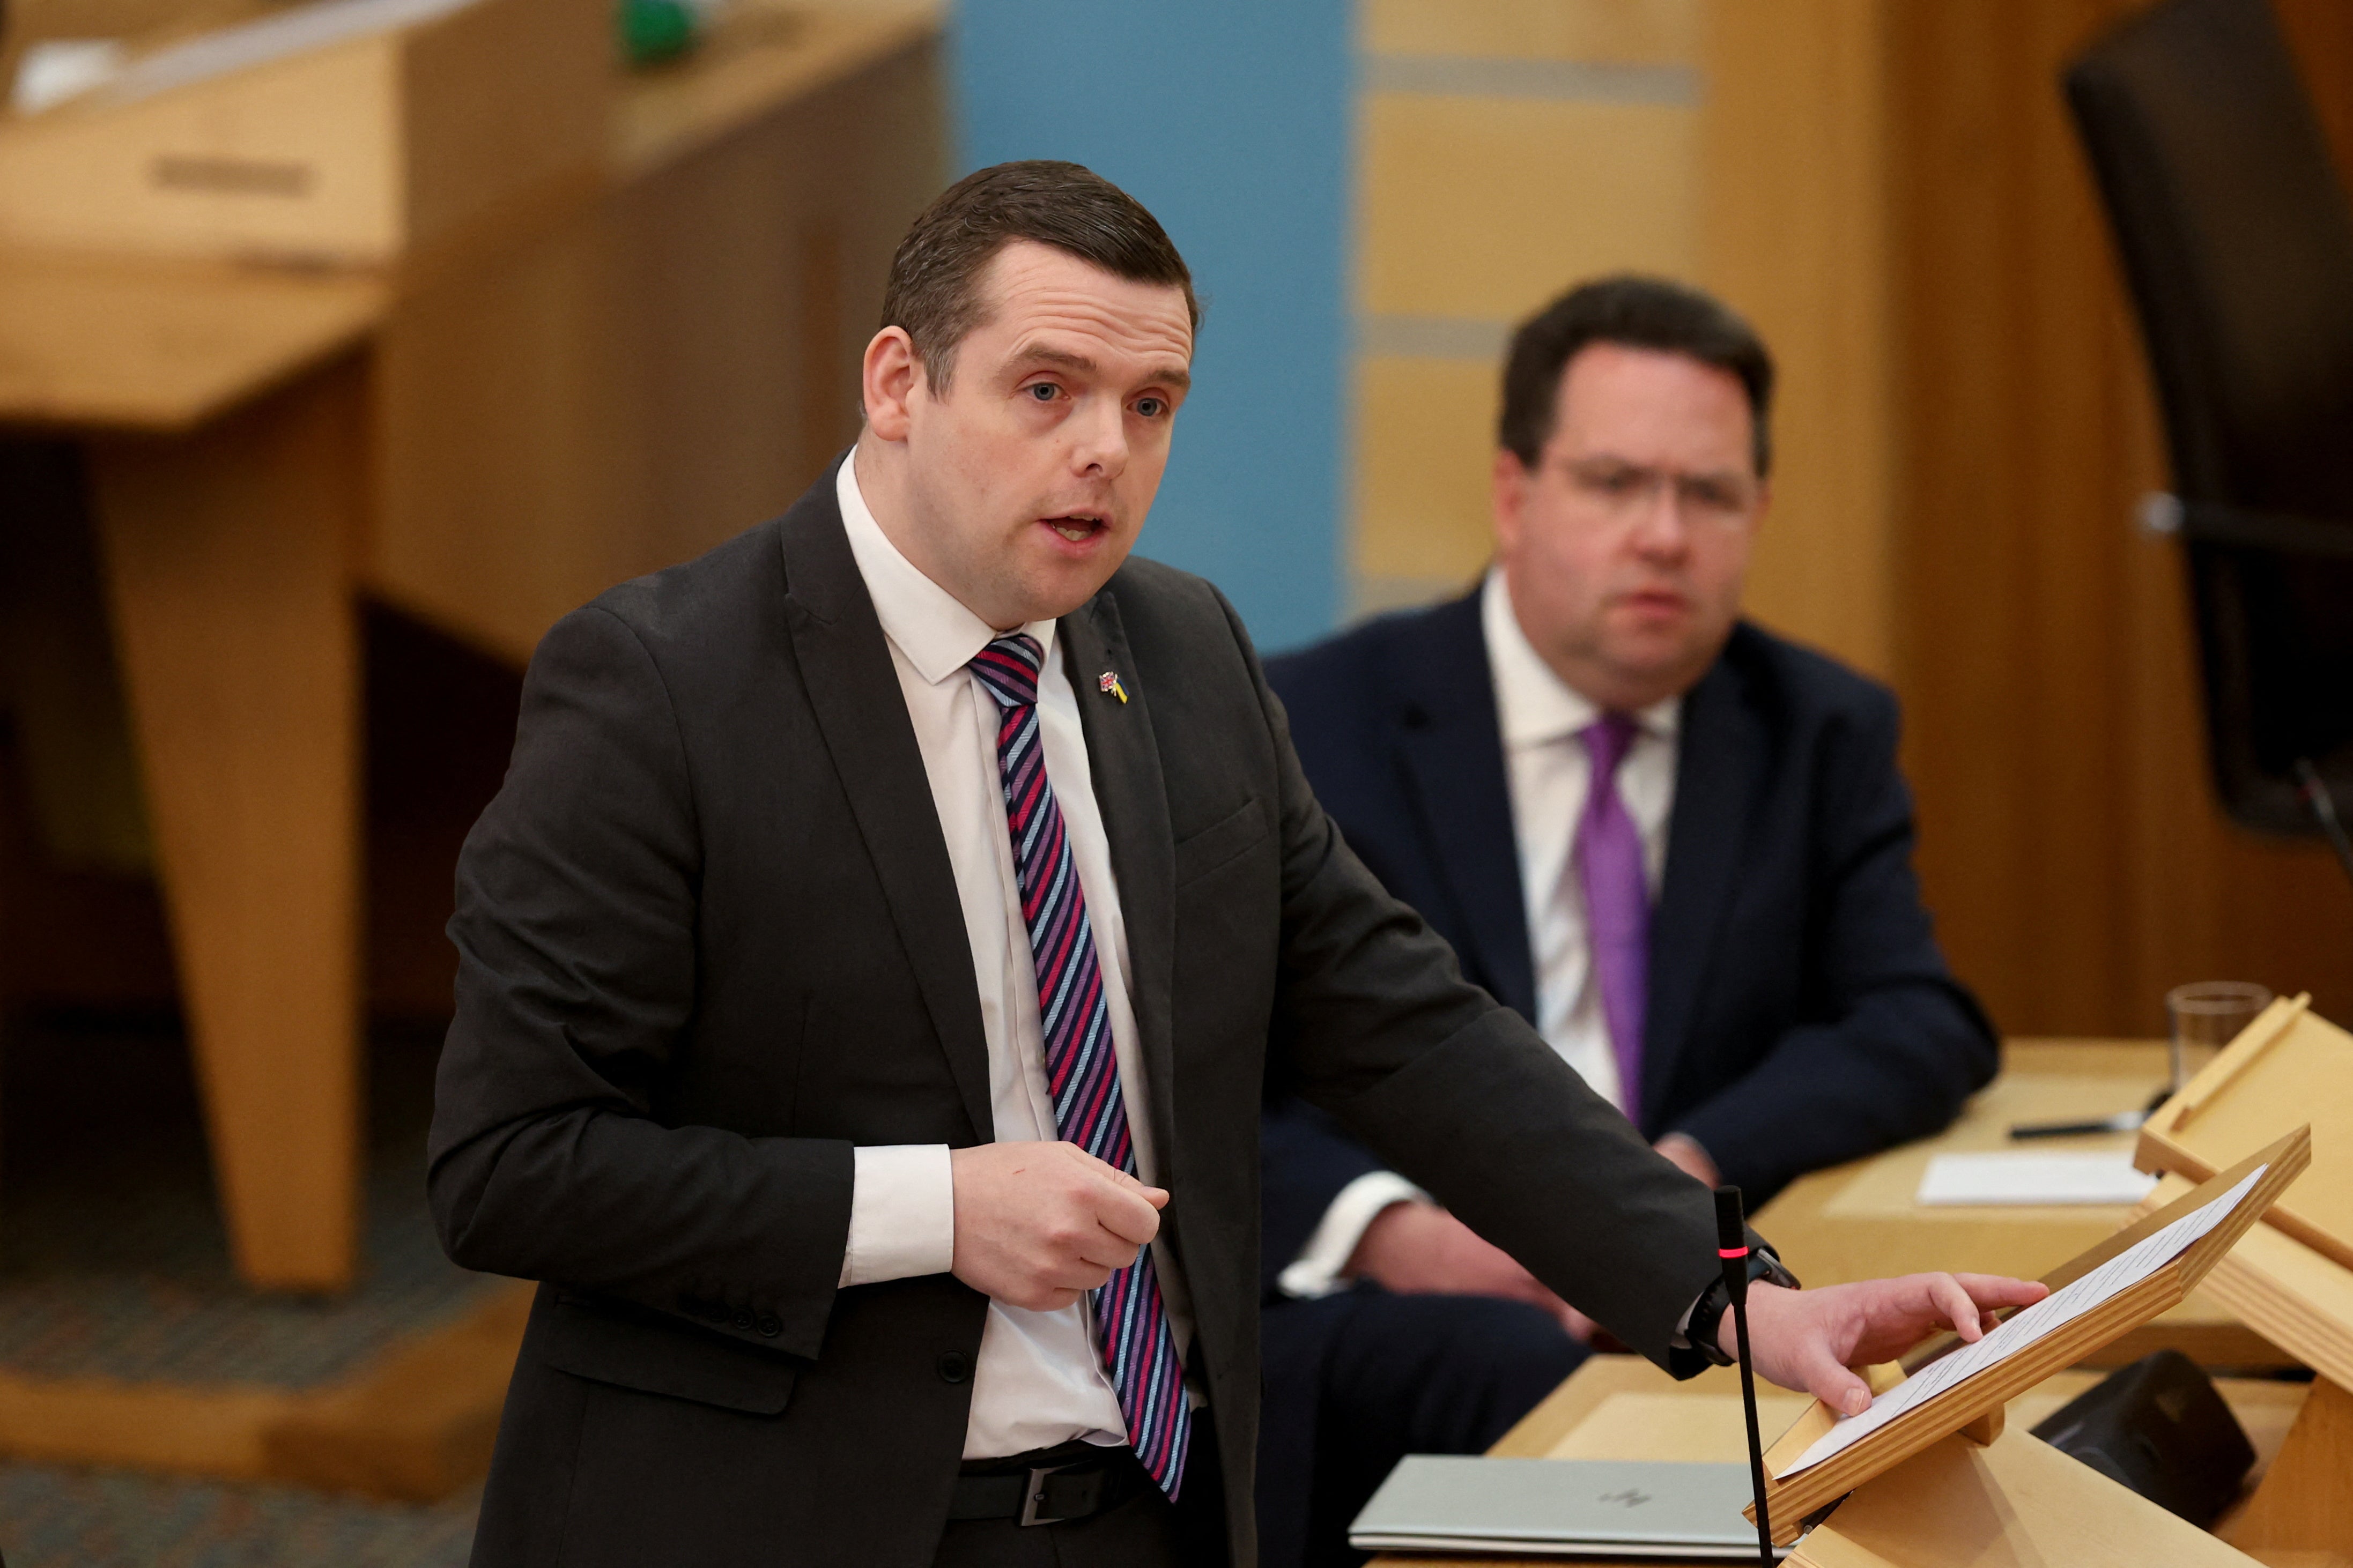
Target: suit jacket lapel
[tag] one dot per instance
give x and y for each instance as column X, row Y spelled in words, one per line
column 1124, row 759
column 1719, row 752
column 845, row 666
column 1451, row 747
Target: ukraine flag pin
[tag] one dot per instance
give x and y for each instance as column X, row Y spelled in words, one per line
column 1110, row 686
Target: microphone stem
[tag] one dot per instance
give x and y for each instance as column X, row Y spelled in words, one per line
column 1748, row 1408
column 1732, row 1253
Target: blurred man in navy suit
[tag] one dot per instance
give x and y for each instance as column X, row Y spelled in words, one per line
column 1678, row 844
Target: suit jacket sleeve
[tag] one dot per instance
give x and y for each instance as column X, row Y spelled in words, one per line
column 575, row 931
column 1901, row 1044
column 1304, row 1161
column 1373, row 1024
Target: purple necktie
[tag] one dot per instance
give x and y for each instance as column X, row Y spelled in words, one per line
column 1609, row 855
column 1081, row 1072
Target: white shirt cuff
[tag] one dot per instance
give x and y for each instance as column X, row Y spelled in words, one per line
column 1319, row 1267
column 901, row 1214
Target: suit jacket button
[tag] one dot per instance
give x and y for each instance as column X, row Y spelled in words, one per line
column 771, row 1325
column 743, row 1318
column 954, row 1366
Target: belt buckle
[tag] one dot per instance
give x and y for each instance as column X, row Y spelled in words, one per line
column 1035, row 1493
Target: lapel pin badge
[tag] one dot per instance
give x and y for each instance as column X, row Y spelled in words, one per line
column 1108, row 684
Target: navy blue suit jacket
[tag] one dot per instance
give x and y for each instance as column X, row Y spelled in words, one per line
column 1800, row 1015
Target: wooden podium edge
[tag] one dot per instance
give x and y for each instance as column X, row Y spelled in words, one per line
column 2301, row 1299
column 2268, row 1282
column 1960, row 1504
column 1977, row 1398
column 2158, row 1153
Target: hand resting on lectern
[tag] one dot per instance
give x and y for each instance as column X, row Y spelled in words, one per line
column 1810, row 1340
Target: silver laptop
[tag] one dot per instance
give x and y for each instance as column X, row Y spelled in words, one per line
column 1612, row 1507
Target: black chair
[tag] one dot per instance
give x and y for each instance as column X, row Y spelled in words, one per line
column 2237, row 243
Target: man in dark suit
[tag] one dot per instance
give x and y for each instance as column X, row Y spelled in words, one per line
column 869, row 969
column 1675, row 843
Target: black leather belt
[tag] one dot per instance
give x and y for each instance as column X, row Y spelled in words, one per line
column 1076, row 1480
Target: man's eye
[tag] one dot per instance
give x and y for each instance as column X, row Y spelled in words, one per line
column 1151, row 407
column 1042, row 391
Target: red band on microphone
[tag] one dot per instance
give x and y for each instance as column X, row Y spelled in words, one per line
column 1732, row 1252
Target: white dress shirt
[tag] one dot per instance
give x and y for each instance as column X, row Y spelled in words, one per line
column 1548, row 772
column 1040, row 1380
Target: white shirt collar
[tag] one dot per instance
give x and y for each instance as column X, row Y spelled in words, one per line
column 1533, row 706
column 929, row 625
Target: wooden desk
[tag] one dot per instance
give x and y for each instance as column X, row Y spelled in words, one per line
column 587, row 387
column 1622, row 1408
column 1858, row 1221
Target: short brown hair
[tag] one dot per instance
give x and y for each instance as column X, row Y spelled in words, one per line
column 1637, row 312
column 934, row 288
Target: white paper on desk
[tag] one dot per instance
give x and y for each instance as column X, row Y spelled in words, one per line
column 2111, row 1279
column 2105, row 1177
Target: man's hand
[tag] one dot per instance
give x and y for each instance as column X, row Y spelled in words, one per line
column 1808, row 1338
column 1040, row 1225
column 1421, row 1249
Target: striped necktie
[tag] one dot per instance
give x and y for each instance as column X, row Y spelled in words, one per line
column 1082, row 1070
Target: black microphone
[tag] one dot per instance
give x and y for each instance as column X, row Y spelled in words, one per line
column 1732, row 1249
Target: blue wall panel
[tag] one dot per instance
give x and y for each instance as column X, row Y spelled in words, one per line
column 1229, row 120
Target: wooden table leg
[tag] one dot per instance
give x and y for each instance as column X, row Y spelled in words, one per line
column 227, row 555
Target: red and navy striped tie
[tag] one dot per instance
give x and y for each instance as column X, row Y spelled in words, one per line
column 1082, row 1070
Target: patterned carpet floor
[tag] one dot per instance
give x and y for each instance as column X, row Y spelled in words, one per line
column 113, row 1263
column 95, row 1518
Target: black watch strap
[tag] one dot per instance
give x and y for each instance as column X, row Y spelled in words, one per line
column 1715, row 1300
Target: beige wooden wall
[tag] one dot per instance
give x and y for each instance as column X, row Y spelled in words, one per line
column 1509, row 149
column 1506, row 150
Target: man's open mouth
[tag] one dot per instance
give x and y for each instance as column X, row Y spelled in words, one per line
column 1077, row 526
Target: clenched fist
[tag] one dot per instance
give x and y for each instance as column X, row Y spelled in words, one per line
column 1040, row 1225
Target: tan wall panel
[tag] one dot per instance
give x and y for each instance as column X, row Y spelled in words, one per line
column 1426, row 432
column 1794, row 237
column 1614, row 32
column 1487, row 207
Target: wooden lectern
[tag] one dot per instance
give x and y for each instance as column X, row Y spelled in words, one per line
column 1942, row 1485
column 2292, row 1278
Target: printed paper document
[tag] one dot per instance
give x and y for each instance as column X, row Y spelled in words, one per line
column 2110, row 1280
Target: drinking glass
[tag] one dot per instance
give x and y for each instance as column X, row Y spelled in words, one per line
column 2206, row 1017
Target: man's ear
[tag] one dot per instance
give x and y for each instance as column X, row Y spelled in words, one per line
column 1507, row 497
column 892, row 377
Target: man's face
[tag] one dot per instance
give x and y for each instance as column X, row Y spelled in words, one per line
column 1624, row 549
column 1025, row 485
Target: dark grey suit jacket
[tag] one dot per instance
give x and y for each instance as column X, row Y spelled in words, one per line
column 710, row 941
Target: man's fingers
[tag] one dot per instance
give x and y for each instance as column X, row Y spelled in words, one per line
column 1108, row 1250
column 1124, row 1212
column 1993, row 1292
column 1123, row 1181
column 1156, row 1196
column 1954, row 1304
column 1047, row 1299
column 1836, row 1386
